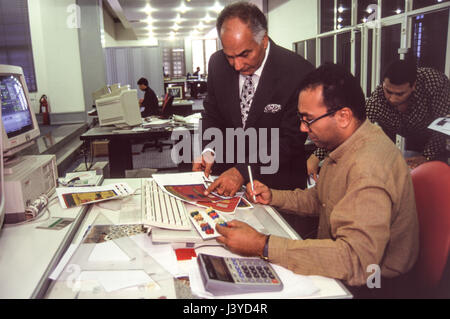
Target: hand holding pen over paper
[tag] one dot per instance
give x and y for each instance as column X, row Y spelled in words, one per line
column 261, row 192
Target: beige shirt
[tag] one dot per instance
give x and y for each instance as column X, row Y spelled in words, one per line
column 367, row 213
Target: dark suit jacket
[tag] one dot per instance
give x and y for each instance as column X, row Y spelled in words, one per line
column 278, row 84
column 150, row 103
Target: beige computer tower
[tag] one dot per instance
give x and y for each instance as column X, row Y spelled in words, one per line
column 26, row 180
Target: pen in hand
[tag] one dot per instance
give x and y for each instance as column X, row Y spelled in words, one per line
column 251, row 182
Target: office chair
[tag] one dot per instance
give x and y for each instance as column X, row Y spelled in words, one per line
column 431, row 182
column 165, row 113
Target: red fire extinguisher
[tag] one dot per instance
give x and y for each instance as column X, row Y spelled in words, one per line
column 44, row 109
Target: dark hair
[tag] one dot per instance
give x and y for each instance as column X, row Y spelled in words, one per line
column 248, row 13
column 142, row 81
column 401, row 72
column 340, row 88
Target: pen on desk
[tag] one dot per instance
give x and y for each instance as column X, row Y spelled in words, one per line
column 86, row 232
column 251, row 181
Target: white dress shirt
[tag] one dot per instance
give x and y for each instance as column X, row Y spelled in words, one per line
column 256, row 75
column 255, row 78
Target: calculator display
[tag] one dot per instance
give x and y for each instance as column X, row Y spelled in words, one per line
column 216, row 268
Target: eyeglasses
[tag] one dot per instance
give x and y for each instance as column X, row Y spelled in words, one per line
column 309, row 123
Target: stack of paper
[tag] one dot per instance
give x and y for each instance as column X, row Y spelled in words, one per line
column 155, row 123
column 80, row 179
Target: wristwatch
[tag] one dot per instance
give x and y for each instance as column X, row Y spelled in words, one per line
column 265, row 253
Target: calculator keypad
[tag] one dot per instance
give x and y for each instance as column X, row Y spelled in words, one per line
column 251, row 271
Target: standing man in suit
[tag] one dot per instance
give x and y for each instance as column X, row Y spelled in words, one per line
column 253, row 85
column 150, row 100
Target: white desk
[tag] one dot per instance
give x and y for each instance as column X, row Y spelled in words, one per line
column 28, row 255
column 268, row 217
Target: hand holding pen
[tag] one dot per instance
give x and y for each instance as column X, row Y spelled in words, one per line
column 259, row 193
column 250, row 175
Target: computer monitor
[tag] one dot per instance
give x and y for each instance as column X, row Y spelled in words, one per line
column 175, row 91
column 114, row 86
column 121, row 110
column 100, row 92
column 19, row 127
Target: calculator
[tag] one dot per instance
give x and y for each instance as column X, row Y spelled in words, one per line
column 227, row 275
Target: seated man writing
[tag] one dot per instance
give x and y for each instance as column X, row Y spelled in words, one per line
column 364, row 197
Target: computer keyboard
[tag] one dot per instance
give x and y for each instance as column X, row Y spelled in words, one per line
column 159, row 209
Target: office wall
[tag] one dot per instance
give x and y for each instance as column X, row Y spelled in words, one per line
column 126, row 65
column 292, row 20
column 56, row 56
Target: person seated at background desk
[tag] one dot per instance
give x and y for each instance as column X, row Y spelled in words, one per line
column 150, row 100
column 252, row 85
column 196, row 73
column 406, row 103
column 364, row 196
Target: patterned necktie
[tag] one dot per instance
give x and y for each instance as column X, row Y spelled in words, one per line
column 248, row 90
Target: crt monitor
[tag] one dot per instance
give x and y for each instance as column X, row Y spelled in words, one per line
column 120, row 110
column 19, row 127
column 100, row 92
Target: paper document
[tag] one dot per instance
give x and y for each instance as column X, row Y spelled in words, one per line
column 294, row 286
column 190, row 187
column 81, row 179
column 117, row 279
column 441, row 125
column 106, row 252
column 155, row 122
column 77, row 196
column 162, row 253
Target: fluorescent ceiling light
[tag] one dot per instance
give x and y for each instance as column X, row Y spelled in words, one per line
column 178, row 19
column 200, row 25
column 182, row 8
column 149, row 9
column 217, row 7
column 208, row 18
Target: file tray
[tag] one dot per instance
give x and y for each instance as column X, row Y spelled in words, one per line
column 114, row 268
